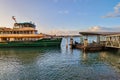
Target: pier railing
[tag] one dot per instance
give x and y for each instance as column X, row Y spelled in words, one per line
column 113, row 41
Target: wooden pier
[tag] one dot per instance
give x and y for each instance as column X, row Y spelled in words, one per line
column 109, row 39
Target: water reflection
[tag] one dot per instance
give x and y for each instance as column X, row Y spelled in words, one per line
column 106, row 57
column 85, row 56
column 112, row 58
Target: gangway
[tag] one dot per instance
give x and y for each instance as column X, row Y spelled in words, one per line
column 113, row 41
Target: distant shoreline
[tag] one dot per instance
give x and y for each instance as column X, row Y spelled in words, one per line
column 68, row 35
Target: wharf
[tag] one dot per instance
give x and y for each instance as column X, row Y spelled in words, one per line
column 108, row 40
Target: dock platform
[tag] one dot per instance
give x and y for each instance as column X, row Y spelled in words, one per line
column 111, row 39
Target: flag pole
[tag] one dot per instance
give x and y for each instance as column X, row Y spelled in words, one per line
column 13, row 17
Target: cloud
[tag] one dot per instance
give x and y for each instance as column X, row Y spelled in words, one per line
column 63, row 12
column 64, row 32
column 103, row 29
column 76, row 32
column 117, row 8
column 116, row 12
column 95, row 28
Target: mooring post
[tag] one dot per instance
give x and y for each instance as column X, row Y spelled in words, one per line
column 71, row 42
column 66, row 42
column 85, row 44
column 98, row 39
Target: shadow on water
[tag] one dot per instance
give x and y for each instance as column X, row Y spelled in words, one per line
column 114, row 51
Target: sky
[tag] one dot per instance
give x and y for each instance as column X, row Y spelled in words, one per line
column 63, row 16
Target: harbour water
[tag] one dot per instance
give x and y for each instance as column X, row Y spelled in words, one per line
column 58, row 63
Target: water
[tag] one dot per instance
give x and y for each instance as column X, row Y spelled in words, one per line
column 58, row 64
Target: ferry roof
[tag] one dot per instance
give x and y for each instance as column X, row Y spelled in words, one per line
column 25, row 24
column 99, row 33
column 17, row 29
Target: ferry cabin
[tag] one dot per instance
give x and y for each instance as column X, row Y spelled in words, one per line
column 20, row 32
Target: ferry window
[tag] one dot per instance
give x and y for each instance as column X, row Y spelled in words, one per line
column 14, row 32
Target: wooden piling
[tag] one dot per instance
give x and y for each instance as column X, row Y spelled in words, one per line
column 71, row 43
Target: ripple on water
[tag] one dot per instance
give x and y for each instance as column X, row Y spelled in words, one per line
column 56, row 64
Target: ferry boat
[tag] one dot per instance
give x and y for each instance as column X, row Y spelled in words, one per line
column 26, row 35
